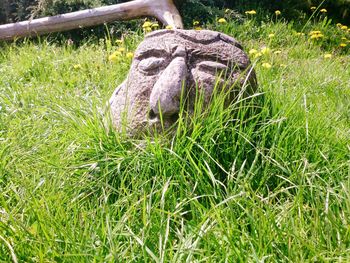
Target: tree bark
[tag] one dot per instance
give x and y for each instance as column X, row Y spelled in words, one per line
column 163, row 10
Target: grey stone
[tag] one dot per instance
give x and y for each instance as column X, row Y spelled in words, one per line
column 169, row 64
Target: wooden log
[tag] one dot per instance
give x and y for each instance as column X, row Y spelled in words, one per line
column 164, row 10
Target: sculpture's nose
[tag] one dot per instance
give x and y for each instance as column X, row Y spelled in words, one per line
column 166, row 93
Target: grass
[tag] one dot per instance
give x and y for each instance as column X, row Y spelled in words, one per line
column 272, row 186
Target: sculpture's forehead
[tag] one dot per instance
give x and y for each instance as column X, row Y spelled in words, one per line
column 208, row 42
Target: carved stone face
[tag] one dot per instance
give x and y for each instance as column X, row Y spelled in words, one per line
column 169, row 64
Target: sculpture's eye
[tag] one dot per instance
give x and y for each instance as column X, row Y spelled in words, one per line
column 150, row 64
column 212, row 66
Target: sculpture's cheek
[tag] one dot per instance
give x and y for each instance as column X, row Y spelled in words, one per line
column 129, row 103
column 205, row 82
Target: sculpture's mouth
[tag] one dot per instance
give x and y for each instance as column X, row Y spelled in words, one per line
column 161, row 121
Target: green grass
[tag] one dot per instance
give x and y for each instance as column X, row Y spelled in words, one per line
column 241, row 185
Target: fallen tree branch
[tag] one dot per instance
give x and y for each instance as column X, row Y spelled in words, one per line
column 164, row 10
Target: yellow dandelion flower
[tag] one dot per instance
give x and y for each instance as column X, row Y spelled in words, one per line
column 196, row 23
column 155, row 25
column 328, row 55
column 121, row 49
column 115, row 55
column 77, row 66
column 169, row 27
column 265, row 50
column 197, row 28
column 315, row 32
column 271, row 35
column 253, row 51
column 147, row 24
column 317, row 36
column 343, row 27
column 258, row 55
column 339, row 25
column 222, row 21
column 129, row 55
column 266, row 65
column 278, row 12
column 112, row 58
column 313, row 8
column 343, row 45
column 251, row 12
column 314, row 37
column 119, row 41
column 323, row 10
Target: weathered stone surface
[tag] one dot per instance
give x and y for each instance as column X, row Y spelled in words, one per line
column 171, row 63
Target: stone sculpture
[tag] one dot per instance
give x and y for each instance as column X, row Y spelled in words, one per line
column 169, row 64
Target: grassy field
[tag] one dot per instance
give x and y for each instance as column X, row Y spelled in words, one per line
column 273, row 186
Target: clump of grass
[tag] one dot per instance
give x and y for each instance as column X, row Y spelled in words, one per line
column 238, row 184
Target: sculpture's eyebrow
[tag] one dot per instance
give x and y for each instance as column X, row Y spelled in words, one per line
column 226, row 60
column 158, row 53
column 198, row 54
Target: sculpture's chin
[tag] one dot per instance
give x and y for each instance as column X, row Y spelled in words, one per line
column 152, row 127
column 161, row 125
